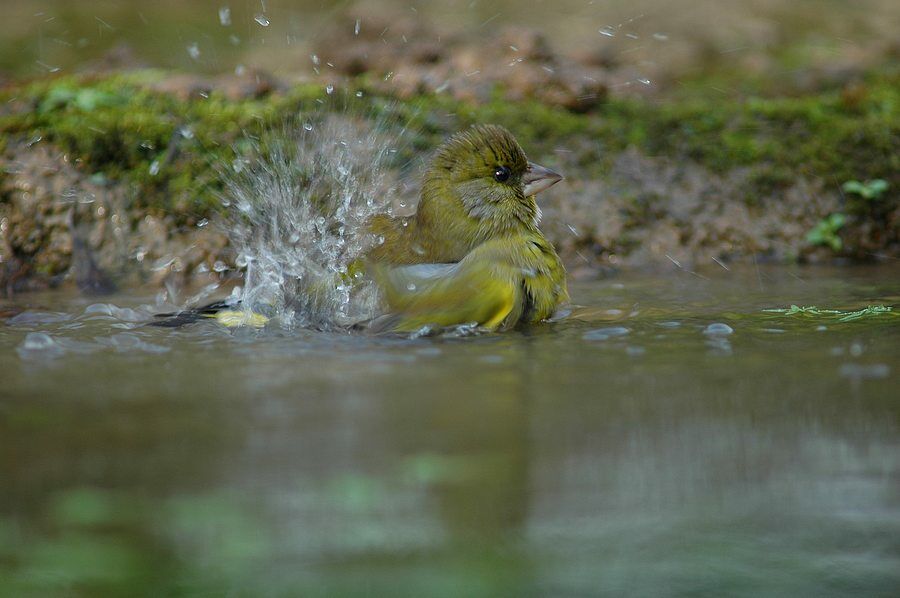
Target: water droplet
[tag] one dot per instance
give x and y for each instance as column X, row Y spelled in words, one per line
column 329, row 89
column 262, row 20
column 315, row 59
column 356, row 27
column 411, row 287
column 644, row 81
column 718, row 329
column 225, row 16
column 27, row 318
column 193, row 51
column 307, row 126
column 238, row 164
column 359, row 94
column 154, row 168
column 219, row 266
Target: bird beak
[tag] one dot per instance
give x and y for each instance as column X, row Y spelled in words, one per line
column 537, row 178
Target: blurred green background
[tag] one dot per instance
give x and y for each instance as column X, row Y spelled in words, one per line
column 672, row 40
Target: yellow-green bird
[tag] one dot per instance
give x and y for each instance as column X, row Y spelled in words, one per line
column 478, row 209
column 472, row 253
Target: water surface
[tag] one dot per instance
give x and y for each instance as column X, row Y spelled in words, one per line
column 669, row 438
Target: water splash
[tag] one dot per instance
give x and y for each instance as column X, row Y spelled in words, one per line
column 298, row 212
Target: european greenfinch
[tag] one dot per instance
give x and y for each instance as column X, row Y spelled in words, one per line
column 478, row 209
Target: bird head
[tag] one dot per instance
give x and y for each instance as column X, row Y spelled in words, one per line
column 483, row 173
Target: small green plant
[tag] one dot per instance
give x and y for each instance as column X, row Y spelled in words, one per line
column 870, row 190
column 826, row 231
column 841, row 316
column 85, row 99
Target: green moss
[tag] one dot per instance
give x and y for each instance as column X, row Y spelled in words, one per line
column 170, row 149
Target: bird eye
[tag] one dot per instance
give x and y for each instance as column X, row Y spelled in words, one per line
column 501, row 174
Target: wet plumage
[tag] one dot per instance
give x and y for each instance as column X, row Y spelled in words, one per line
column 478, row 209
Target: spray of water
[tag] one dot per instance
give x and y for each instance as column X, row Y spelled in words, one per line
column 298, row 206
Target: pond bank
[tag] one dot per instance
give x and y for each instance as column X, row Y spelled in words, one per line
column 117, row 176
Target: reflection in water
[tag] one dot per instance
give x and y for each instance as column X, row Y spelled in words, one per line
column 473, row 447
column 617, row 452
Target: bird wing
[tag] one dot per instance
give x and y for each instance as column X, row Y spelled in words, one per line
column 443, row 295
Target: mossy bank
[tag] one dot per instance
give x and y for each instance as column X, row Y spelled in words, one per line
column 119, row 175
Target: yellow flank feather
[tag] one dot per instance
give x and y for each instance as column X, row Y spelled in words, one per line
column 234, row 318
column 500, row 284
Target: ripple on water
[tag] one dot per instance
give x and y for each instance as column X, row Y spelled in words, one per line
column 39, row 344
column 31, row 318
column 125, row 342
column 123, row 314
column 864, row 371
column 602, row 334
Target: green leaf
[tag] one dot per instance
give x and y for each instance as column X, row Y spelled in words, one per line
column 836, row 221
column 854, row 187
